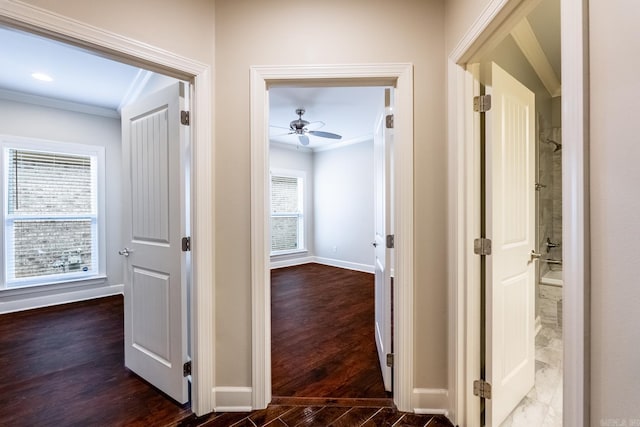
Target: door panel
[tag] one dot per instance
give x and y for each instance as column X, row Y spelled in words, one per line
column 510, row 320
column 155, row 221
column 382, row 184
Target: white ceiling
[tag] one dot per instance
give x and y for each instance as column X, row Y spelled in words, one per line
column 78, row 76
column 347, row 111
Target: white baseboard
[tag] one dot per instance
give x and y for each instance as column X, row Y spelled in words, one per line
column 324, row 261
column 345, row 264
column 232, row 399
column 291, row 262
column 63, row 296
column 433, row 401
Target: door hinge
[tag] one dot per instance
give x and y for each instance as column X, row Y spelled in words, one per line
column 389, row 121
column 482, row 388
column 482, row 103
column 185, row 118
column 390, row 360
column 482, row 246
column 186, row 244
column 186, row 369
column 391, row 241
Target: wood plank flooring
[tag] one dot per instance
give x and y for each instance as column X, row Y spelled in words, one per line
column 322, row 333
column 64, row 366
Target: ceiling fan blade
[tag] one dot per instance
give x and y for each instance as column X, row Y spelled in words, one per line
column 325, row 134
column 314, row 125
column 304, row 139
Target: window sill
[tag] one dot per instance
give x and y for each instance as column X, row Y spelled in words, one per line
column 34, row 288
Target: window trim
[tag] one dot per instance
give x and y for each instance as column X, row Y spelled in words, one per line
column 98, row 215
column 302, row 192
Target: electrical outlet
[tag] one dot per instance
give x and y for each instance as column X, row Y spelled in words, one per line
column 334, row 249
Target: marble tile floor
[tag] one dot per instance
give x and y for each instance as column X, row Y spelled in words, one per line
column 543, row 405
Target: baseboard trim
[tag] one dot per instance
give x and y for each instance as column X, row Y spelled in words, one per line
column 232, row 399
column 33, row 300
column 291, row 262
column 324, row 261
column 432, row 401
column 345, row 264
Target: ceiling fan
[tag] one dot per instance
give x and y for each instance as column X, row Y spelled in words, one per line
column 300, row 127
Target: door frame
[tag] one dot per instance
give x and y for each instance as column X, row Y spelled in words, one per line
column 492, row 25
column 120, row 48
column 262, row 78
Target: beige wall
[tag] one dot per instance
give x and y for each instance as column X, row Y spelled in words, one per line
column 288, row 32
column 183, row 27
column 615, row 207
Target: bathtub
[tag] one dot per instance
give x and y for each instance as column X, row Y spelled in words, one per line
column 552, row 277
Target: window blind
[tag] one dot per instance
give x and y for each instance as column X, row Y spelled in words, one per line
column 286, row 214
column 51, row 224
column 50, row 183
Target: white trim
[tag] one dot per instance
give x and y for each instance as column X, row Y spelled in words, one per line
column 135, row 89
column 400, row 76
column 33, row 300
column 232, row 399
column 528, row 43
column 32, row 18
column 290, row 262
column 365, row 268
column 575, row 211
column 499, row 18
column 281, row 263
column 43, row 101
column 432, row 401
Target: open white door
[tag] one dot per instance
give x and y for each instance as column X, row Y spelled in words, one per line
column 155, row 220
column 510, row 299
column 382, row 142
column 510, row 222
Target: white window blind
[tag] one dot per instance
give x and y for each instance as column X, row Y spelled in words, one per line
column 286, row 214
column 50, row 217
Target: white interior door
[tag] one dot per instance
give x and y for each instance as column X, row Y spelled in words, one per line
column 155, row 220
column 510, row 221
column 382, row 142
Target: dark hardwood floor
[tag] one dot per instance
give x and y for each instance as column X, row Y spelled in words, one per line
column 322, row 333
column 64, row 366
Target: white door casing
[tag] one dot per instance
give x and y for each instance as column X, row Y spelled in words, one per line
column 155, row 220
column 510, row 216
column 382, row 143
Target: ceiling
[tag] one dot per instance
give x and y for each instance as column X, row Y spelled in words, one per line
column 84, row 78
column 348, row 111
column 77, row 76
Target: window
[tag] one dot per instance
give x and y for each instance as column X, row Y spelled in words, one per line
column 287, row 219
column 51, row 205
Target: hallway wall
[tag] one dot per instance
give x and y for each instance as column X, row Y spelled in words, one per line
column 285, row 32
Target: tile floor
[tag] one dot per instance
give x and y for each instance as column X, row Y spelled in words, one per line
column 543, row 405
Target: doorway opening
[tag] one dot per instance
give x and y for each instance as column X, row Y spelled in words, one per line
column 264, row 79
column 509, row 22
column 522, row 216
column 48, row 27
column 330, row 309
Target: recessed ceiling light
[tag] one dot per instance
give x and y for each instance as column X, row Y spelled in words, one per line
column 42, row 77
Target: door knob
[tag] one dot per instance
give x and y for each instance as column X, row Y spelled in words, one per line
column 124, row 252
column 535, row 255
